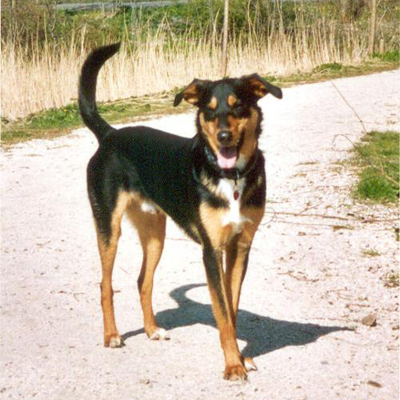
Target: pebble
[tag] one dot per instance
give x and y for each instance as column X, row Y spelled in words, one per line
column 369, row 320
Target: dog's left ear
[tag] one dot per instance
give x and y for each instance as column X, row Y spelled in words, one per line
column 192, row 93
column 259, row 87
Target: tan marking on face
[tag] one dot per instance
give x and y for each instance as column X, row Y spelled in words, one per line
column 250, row 143
column 235, row 129
column 213, row 104
column 237, row 126
column 247, row 127
column 232, row 100
column 210, row 130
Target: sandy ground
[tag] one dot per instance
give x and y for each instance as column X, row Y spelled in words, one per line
column 309, row 284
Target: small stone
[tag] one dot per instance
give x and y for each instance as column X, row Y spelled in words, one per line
column 369, row 320
column 374, row 384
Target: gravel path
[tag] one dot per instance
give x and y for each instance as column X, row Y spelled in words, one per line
column 310, row 282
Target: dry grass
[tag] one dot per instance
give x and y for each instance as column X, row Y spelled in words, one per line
column 162, row 61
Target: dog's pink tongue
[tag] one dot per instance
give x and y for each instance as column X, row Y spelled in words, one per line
column 227, row 157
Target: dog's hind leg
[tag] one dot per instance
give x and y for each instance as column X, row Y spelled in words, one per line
column 151, row 228
column 108, row 244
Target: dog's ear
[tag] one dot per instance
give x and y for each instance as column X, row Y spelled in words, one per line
column 193, row 93
column 259, row 87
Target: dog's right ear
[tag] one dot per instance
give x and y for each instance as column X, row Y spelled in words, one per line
column 192, row 93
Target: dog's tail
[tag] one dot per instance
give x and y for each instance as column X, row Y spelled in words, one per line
column 87, row 90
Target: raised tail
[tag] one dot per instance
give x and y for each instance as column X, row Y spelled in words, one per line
column 87, row 90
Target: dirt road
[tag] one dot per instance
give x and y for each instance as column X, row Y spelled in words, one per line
column 312, row 277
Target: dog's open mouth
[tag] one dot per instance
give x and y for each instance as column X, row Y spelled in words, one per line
column 227, row 157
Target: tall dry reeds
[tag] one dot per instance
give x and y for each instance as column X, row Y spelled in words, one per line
column 37, row 77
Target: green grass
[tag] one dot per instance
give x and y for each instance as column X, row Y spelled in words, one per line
column 55, row 122
column 370, row 253
column 330, row 67
column 391, row 280
column 378, row 157
column 388, row 56
column 326, row 72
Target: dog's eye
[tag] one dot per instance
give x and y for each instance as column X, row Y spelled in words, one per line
column 237, row 105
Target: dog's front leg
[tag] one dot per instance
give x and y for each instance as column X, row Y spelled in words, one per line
column 237, row 258
column 237, row 255
column 234, row 368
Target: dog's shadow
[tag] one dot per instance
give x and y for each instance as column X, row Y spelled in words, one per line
column 261, row 334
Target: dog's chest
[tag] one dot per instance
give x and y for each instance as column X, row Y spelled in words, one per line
column 232, row 191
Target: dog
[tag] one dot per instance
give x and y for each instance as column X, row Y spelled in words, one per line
column 212, row 185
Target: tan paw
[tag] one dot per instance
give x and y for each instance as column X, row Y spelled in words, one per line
column 235, row 373
column 159, row 334
column 113, row 341
column 249, row 364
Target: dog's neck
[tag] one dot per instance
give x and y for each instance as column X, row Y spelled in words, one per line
column 232, row 173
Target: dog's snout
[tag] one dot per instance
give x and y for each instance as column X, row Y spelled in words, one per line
column 224, row 137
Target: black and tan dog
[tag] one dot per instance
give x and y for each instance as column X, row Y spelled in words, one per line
column 213, row 186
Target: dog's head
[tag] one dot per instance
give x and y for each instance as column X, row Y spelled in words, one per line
column 229, row 118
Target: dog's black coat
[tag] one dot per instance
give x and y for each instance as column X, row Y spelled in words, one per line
column 182, row 177
column 169, row 166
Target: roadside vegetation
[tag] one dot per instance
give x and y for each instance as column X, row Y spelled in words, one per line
column 164, row 48
column 54, row 122
column 377, row 160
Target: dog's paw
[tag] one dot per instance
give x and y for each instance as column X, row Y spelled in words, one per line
column 159, row 334
column 113, row 341
column 249, row 364
column 235, row 373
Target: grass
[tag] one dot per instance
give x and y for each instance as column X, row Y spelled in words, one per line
column 377, row 156
column 166, row 48
column 57, row 121
column 370, row 253
column 342, row 227
column 388, row 56
column 391, row 280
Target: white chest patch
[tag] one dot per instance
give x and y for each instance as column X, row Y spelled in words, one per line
column 149, row 207
column 233, row 193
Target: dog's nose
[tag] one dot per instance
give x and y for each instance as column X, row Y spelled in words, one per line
column 224, row 137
